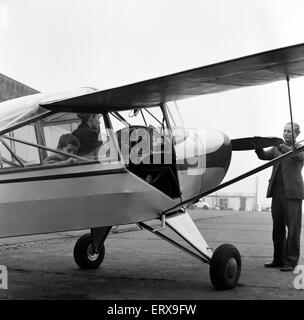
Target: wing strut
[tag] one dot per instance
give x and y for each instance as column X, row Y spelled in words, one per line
column 290, row 111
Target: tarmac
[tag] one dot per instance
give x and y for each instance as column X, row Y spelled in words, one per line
column 138, row 265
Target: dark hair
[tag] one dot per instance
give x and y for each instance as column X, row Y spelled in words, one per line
column 85, row 116
column 66, row 139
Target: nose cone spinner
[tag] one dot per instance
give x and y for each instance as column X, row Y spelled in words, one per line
column 218, row 156
column 207, row 167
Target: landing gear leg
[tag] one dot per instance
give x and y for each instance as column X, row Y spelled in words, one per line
column 225, row 261
column 89, row 249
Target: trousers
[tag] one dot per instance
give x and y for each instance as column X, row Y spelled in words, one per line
column 286, row 214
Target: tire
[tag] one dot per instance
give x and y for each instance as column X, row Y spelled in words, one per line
column 83, row 255
column 225, row 267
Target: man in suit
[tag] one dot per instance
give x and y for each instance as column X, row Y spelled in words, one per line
column 67, row 143
column 287, row 191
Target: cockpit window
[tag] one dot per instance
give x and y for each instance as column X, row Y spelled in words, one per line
column 56, row 125
column 14, row 153
column 61, row 138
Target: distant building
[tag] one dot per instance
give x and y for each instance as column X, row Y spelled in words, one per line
column 232, row 201
column 10, row 89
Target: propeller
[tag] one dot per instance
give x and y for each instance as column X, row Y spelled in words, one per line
column 253, row 143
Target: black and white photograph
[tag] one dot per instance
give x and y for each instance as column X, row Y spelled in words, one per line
column 151, row 152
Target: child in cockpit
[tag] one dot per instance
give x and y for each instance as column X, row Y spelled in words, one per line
column 67, row 143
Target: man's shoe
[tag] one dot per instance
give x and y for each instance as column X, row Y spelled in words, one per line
column 287, row 268
column 272, row 265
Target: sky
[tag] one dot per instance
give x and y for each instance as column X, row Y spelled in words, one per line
column 59, row 45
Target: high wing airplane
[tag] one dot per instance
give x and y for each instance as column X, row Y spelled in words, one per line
column 142, row 165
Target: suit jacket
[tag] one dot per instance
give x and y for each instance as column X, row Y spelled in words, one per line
column 291, row 173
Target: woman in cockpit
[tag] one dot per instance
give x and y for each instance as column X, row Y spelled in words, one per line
column 87, row 133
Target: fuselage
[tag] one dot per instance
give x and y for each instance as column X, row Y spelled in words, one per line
column 102, row 190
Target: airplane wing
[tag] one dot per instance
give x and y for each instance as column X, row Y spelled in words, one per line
column 257, row 69
column 11, row 89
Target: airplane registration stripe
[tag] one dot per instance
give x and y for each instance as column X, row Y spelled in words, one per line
column 66, row 176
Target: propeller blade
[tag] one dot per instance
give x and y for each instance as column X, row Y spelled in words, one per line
column 253, row 143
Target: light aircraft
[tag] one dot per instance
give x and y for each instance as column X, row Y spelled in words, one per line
column 145, row 164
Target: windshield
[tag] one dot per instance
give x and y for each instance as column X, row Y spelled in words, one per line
column 179, row 131
column 149, row 117
column 174, row 115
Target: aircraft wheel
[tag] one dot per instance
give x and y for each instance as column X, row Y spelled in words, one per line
column 84, row 256
column 225, row 267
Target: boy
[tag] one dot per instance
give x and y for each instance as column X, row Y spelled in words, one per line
column 67, row 143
